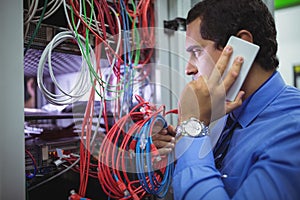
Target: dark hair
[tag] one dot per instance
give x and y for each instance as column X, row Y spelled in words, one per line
column 222, row 18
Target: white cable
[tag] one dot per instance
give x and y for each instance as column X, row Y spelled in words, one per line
column 66, row 6
column 51, row 11
column 31, row 11
column 48, row 4
column 26, row 29
column 67, row 15
column 82, row 83
column 95, row 27
column 56, row 42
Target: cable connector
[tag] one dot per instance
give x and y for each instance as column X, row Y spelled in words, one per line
column 132, row 147
column 155, row 152
column 59, row 162
column 75, row 196
column 148, row 110
column 123, row 188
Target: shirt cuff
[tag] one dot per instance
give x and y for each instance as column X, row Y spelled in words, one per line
column 190, row 151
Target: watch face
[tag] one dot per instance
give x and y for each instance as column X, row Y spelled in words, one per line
column 193, row 128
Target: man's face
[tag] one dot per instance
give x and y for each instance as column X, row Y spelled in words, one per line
column 203, row 54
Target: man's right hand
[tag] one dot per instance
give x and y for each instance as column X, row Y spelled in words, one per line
column 164, row 140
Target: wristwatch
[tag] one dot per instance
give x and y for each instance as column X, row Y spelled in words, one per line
column 192, row 128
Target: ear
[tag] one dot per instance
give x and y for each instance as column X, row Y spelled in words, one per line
column 245, row 35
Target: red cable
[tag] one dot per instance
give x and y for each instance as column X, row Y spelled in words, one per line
column 32, row 158
column 95, row 34
column 111, row 160
column 110, row 143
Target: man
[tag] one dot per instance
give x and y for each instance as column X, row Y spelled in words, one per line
column 259, row 158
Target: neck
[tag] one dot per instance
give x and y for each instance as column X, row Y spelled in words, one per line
column 255, row 78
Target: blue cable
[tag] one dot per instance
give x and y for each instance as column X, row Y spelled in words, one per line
column 124, row 55
column 155, row 187
column 128, row 91
column 32, row 175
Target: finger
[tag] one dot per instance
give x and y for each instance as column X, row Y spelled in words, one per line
column 163, row 132
column 164, row 151
column 157, row 129
column 166, row 138
column 230, row 106
column 171, row 131
column 221, row 65
column 233, row 72
column 163, row 144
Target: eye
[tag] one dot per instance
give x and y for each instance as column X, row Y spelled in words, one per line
column 197, row 52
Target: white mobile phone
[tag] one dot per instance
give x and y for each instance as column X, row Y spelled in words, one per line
column 248, row 51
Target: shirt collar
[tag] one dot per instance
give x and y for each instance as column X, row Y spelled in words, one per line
column 259, row 100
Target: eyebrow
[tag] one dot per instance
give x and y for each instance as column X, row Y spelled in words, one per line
column 191, row 48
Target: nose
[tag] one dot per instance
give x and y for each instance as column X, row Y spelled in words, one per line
column 191, row 69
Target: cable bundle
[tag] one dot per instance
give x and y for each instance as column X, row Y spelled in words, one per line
column 154, row 177
column 31, row 13
column 126, row 34
column 129, row 163
column 83, row 84
column 107, row 23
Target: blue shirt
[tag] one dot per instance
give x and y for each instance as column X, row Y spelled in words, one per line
column 263, row 159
